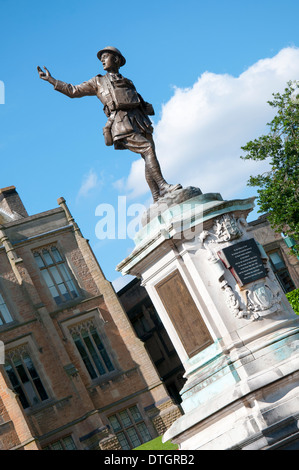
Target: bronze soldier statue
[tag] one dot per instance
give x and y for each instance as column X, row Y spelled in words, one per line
column 128, row 125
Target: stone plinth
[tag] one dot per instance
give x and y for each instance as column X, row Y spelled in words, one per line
column 233, row 328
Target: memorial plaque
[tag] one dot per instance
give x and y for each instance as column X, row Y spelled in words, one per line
column 244, row 261
column 184, row 314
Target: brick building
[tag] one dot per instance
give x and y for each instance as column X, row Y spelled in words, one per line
column 284, row 263
column 75, row 373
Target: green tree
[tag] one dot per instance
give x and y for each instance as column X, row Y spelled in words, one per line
column 278, row 188
column 293, row 298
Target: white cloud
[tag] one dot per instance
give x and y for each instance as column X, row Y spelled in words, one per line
column 90, row 181
column 202, row 128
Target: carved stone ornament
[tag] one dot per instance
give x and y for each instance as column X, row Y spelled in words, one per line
column 263, row 298
column 231, row 300
column 85, row 326
column 227, row 228
column 17, row 353
column 256, row 300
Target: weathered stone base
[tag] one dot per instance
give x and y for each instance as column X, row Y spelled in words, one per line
column 259, row 411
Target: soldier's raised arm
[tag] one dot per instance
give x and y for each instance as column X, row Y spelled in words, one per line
column 88, row 88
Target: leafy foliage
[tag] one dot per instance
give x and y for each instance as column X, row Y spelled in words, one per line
column 293, row 298
column 279, row 189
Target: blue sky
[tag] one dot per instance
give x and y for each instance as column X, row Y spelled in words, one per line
column 205, row 66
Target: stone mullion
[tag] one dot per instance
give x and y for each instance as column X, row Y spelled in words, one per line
column 20, row 381
column 89, row 355
column 98, row 352
column 64, row 281
column 54, row 283
column 56, row 265
column 30, row 378
column 135, row 425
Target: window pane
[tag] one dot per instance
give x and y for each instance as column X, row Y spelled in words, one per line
column 16, row 386
column 55, row 295
column 47, row 278
column 144, row 432
column 135, row 413
column 68, row 280
column 51, row 287
column 39, row 260
column 47, row 257
column 4, row 311
column 40, row 388
column 12, row 376
column 93, row 353
column 30, row 392
column 21, row 371
column 114, row 423
column 30, row 367
column 56, row 275
column 123, row 441
column 84, row 356
column 36, row 380
column 56, row 446
column 61, row 282
column 72, row 288
column 125, row 418
column 69, row 443
column 26, row 384
column 65, row 272
column 277, row 260
column 133, row 436
column 102, row 350
column 56, row 254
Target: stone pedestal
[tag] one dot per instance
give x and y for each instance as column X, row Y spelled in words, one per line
column 233, row 328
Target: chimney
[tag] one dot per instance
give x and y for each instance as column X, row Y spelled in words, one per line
column 11, row 203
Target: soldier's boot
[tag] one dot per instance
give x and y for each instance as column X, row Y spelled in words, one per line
column 153, row 173
column 152, row 185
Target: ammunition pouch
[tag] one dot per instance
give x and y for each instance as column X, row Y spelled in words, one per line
column 122, row 94
column 107, row 133
column 125, row 94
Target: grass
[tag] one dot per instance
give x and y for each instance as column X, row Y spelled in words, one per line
column 157, row 444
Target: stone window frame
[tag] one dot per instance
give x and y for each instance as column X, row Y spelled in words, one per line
column 27, row 346
column 279, row 271
column 64, row 261
column 95, row 318
column 3, row 302
column 123, row 431
column 100, row 364
column 61, row 442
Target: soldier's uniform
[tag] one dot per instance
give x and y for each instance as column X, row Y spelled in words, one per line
column 128, row 125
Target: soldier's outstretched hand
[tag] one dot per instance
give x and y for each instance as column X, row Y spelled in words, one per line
column 44, row 75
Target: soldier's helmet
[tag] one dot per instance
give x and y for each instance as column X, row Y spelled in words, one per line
column 113, row 50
